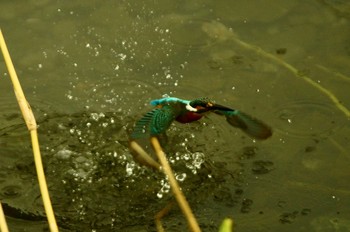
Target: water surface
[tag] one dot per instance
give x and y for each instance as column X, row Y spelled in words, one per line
column 89, row 70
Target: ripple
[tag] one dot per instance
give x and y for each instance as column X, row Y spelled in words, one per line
column 307, row 118
column 11, row 113
column 11, row 191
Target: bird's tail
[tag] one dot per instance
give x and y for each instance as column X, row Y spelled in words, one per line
column 252, row 126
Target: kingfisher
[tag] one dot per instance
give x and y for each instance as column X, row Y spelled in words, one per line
column 169, row 109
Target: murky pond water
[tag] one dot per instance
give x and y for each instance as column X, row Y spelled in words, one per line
column 89, row 70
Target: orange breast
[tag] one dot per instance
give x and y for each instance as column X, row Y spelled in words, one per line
column 189, row 117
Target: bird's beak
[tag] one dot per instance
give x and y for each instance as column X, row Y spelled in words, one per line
column 219, row 107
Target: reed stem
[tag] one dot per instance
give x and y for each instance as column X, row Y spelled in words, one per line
column 3, row 225
column 32, row 127
column 180, row 197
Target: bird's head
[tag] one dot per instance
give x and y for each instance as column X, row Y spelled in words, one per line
column 200, row 105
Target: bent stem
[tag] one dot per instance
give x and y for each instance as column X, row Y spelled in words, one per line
column 180, row 197
column 32, row 127
column 160, row 215
column 142, row 157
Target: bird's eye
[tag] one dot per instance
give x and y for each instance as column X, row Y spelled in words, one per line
column 209, row 104
column 205, row 103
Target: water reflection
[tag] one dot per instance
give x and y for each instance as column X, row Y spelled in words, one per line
column 307, row 119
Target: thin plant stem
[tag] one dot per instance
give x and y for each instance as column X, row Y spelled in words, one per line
column 141, row 155
column 219, row 31
column 160, row 215
column 32, row 127
column 42, row 181
column 179, row 196
column 3, row 225
column 339, row 147
column 337, row 74
column 296, row 72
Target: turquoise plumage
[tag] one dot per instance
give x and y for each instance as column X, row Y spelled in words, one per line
column 157, row 121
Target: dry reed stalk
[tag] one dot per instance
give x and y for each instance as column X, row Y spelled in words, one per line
column 32, row 127
column 3, row 225
column 180, row 197
column 142, row 157
column 160, row 215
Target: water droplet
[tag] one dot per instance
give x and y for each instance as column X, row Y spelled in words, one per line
column 181, row 177
column 129, row 169
column 10, row 191
column 159, row 195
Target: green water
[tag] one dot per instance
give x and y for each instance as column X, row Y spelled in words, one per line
column 90, row 68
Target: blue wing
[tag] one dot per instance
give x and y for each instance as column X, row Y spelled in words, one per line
column 252, row 126
column 169, row 100
column 154, row 123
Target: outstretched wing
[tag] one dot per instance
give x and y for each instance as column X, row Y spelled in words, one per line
column 154, row 123
column 250, row 125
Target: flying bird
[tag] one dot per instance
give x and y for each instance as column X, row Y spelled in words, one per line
column 157, row 121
